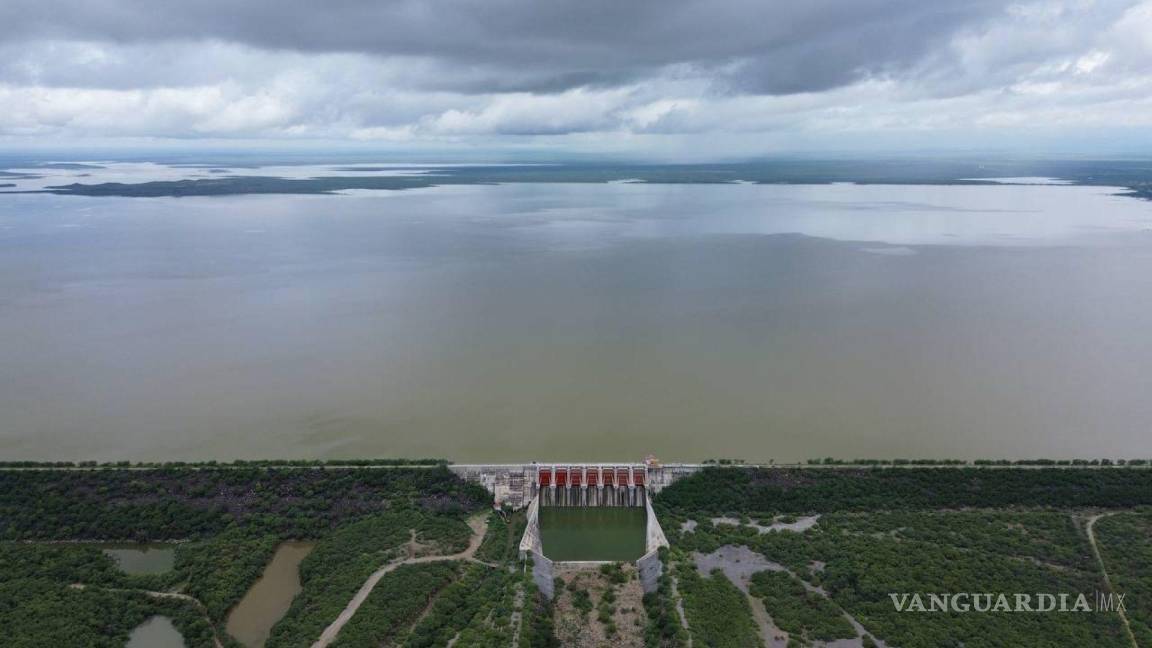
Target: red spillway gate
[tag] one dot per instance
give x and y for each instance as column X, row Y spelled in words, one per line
column 591, row 476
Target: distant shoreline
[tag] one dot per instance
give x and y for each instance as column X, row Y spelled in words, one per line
column 1133, row 177
column 821, row 464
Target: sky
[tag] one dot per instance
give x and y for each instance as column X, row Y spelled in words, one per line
column 679, row 79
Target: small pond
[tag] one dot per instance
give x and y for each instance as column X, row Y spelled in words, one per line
column 156, row 632
column 142, row 558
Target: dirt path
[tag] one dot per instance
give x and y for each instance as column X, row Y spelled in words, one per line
column 479, row 525
column 680, row 608
column 517, row 614
column 1104, row 570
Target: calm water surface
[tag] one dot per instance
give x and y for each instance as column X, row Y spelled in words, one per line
column 588, row 322
column 251, row 621
column 593, row 533
column 142, row 558
column 156, row 632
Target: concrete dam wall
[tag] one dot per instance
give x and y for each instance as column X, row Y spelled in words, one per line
column 573, row 483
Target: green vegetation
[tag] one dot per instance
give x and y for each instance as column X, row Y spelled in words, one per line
column 536, row 627
column 64, row 563
column 793, row 490
column 74, row 595
column 230, row 518
column 220, row 570
column 859, row 562
column 881, row 531
column 663, row 629
column 797, row 611
column 718, row 613
column 606, row 610
column 831, row 461
column 614, row 572
column 178, row 503
column 477, row 607
column 1125, row 542
column 395, row 603
column 238, row 463
column 340, row 564
column 1044, row 536
column 861, row 572
column 582, row 601
column 494, row 628
column 502, row 542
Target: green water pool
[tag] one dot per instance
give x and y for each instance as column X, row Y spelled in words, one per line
column 594, row 533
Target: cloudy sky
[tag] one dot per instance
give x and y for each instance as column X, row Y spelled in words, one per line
column 685, row 78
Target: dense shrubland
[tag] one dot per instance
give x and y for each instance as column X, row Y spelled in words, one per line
column 859, row 562
column 218, row 571
column 341, row 562
column 537, row 629
column 502, row 542
column 395, row 603
column 74, row 595
column 797, row 490
column 477, row 607
column 803, row 614
column 1045, row 536
column 717, row 612
column 663, row 629
column 230, row 520
column 180, row 503
column 1125, row 542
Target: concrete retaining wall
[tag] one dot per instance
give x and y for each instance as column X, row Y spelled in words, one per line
column 543, row 574
column 649, row 566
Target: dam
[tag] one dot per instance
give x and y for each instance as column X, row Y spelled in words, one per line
column 583, row 513
column 515, row 486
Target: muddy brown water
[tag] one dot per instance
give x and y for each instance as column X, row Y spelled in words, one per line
column 590, row 322
column 251, row 621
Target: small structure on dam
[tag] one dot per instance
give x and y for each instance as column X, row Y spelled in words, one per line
column 585, row 485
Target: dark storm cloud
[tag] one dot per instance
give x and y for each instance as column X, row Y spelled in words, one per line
column 752, row 46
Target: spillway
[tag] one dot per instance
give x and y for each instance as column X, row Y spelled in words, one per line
column 591, row 485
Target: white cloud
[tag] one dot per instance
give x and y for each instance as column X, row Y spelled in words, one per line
column 1032, row 67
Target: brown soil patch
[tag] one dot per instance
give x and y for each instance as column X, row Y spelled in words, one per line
column 575, row 629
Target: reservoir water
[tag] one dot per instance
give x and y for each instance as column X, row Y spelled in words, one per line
column 590, row 322
column 593, row 533
column 251, row 621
